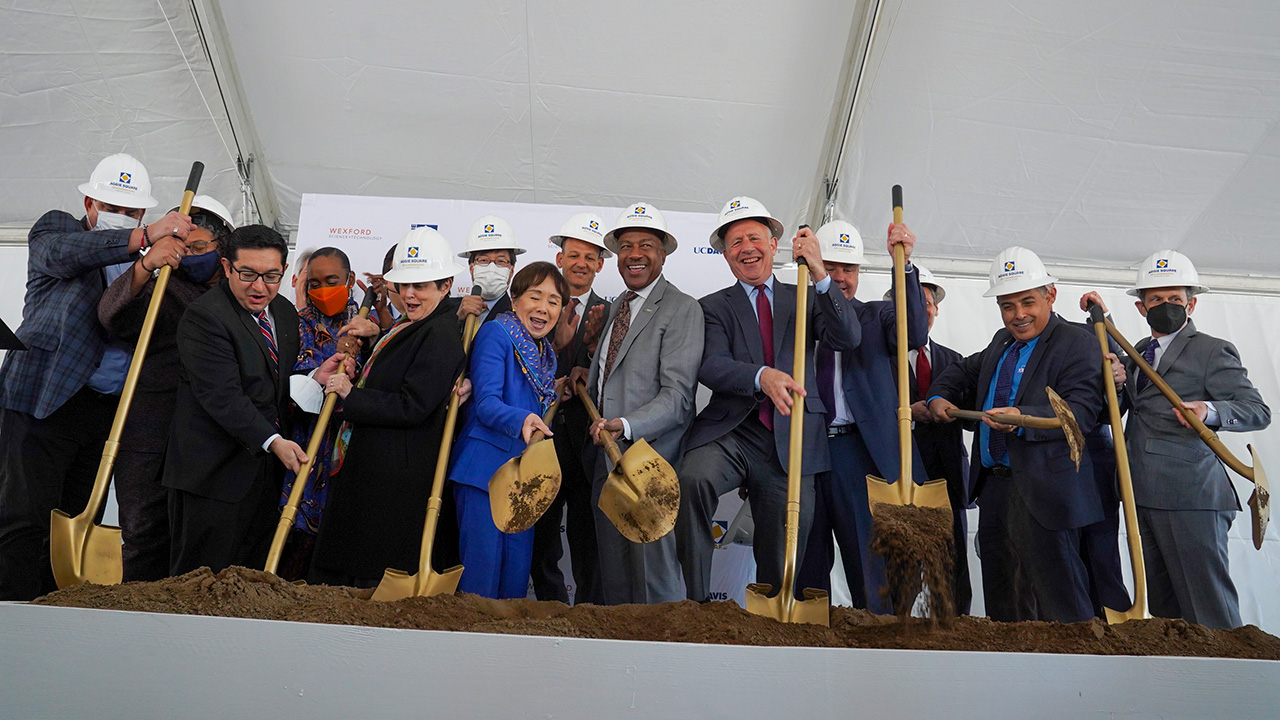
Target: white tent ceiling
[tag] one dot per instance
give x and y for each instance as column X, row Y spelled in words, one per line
column 1094, row 132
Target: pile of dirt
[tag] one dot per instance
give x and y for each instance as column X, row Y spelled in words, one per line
column 238, row 592
column 918, row 550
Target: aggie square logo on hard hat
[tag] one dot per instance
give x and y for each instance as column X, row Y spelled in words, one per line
column 595, row 226
column 844, row 238
column 735, row 204
column 124, row 183
column 1162, row 268
column 124, row 177
column 413, row 251
column 1162, row 263
column 640, row 210
column 1008, row 266
column 488, row 228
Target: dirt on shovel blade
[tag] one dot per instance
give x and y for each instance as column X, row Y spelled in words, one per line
column 237, row 592
column 919, row 552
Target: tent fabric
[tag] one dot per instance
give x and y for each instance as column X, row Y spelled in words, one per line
column 1091, row 132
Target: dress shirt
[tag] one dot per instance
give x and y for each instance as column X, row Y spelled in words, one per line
column 821, row 286
column 638, row 302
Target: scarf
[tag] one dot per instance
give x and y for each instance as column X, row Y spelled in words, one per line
column 537, row 358
column 344, row 430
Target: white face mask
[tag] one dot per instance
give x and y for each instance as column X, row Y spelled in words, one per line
column 492, row 280
column 116, row 221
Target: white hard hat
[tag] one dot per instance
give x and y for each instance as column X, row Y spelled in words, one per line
column 840, row 242
column 491, row 233
column 120, row 180
column 743, row 208
column 422, row 255
column 1016, row 270
column 1167, row 268
column 926, row 278
column 208, row 204
column 585, row 226
column 641, row 216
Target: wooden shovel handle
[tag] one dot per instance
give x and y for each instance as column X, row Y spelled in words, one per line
column 610, row 446
column 547, row 417
column 1022, row 421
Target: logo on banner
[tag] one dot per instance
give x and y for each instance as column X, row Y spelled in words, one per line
column 701, row 250
column 413, row 251
column 352, row 233
column 718, row 530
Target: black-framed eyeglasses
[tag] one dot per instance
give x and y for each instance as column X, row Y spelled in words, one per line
column 251, row 276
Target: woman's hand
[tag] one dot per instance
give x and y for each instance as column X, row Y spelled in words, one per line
column 331, row 365
column 531, row 423
column 463, row 390
column 340, row 384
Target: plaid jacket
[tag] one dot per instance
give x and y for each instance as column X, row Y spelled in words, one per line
column 60, row 313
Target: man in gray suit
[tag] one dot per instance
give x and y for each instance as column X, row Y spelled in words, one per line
column 741, row 438
column 1186, row 502
column 642, row 378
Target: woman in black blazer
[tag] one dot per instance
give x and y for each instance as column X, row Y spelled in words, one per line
column 392, row 420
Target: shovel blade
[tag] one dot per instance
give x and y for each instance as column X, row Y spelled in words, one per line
column 82, row 552
column 1260, row 501
column 814, row 609
column 523, row 488
column 641, row 497
column 1115, row 617
column 929, row 494
column 398, row 585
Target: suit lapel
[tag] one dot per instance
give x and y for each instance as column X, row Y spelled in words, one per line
column 1033, row 362
column 1172, row 352
column 251, row 326
column 784, row 313
column 641, row 319
column 740, row 304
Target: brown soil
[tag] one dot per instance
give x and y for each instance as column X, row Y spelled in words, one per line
column 917, row 547
column 238, row 592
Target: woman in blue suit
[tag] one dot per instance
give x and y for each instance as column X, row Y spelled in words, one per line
column 513, row 370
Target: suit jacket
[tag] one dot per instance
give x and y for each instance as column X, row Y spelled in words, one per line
column 1172, row 468
column 869, row 382
column 501, row 305
column 654, row 380
column 941, row 445
column 378, row 501
column 1066, row 359
column 230, row 397
column 59, row 314
column 501, row 399
column 733, row 353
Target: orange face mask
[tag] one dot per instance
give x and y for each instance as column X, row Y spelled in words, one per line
column 330, row 300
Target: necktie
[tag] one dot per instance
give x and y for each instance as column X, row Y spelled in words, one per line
column 924, row 373
column 265, row 326
column 827, row 380
column 621, row 323
column 996, row 445
column 1148, row 354
column 764, row 313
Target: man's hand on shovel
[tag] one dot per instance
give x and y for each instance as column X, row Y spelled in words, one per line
column 779, row 386
column 613, row 427
column 289, row 452
column 939, row 407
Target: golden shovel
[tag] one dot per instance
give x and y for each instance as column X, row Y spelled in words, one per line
column 1139, row 609
column 1260, row 501
column 290, row 511
column 1063, row 419
column 641, row 497
column 525, row 486
column 80, row 550
column 931, row 493
column 815, row 608
column 398, row 584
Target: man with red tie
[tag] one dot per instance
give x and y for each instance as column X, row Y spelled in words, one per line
column 741, row 438
column 859, row 389
column 228, row 447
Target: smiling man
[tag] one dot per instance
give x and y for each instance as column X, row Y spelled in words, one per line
column 226, row 454
column 1033, row 500
column 741, row 438
column 643, row 380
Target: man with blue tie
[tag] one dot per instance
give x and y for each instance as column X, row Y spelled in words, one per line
column 741, row 438
column 859, row 390
column 1033, row 500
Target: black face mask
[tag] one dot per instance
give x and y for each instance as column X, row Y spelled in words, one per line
column 1167, row 318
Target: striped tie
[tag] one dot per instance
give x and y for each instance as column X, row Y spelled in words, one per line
column 265, row 326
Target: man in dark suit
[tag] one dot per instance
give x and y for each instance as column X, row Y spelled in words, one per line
column 1186, row 502
column 941, row 444
column 58, row 398
column 226, row 456
column 491, row 257
column 860, row 392
column 582, row 254
column 741, row 437
column 1033, row 499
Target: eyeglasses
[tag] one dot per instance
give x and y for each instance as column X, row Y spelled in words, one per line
column 200, row 247
column 251, row 276
column 500, row 262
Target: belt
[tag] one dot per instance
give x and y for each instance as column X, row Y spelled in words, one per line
column 838, row 430
column 1002, row 471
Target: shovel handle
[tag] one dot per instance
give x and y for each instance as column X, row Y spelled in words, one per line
column 547, row 417
column 905, row 463
column 1022, row 421
column 610, row 445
